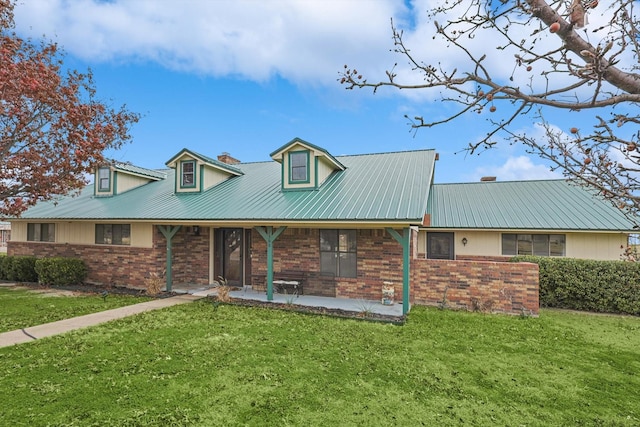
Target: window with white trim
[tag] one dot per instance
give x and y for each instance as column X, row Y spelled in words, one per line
column 104, row 179
column 188, row 174
column 299, row 166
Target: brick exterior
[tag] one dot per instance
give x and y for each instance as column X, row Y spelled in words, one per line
column 125, row 265
column 494, row 258
column 476, row 285
column 379, row 260
column 461, row 284
column 108, row 265
column 190, row 255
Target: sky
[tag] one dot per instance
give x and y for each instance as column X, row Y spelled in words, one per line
column 248, row 76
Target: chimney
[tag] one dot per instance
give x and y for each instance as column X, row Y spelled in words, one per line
column 487, row 179
column 226, row 158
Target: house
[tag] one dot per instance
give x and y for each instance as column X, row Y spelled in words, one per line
column 496, row 220
column 348, row 223
column 5, row 235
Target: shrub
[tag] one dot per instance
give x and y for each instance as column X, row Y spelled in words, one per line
column 600, row 286
column 3, row 260
column 19, row 268
column 61, row 271
column 154, row 283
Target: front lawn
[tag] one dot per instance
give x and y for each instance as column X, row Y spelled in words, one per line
column 198, row 364
column 23, row 307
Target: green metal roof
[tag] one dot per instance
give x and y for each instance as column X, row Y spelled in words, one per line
column 224, row 166
column 525, row 205
column 128, row 167
column 308, row 144
column 373, row 187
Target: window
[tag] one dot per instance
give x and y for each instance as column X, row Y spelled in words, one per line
column 338, row 253
column 299, row 167
column 440, row 246
column 534, row 244
column 113, row 234
column 41, row 232
column 188, row 174
column 104, row 179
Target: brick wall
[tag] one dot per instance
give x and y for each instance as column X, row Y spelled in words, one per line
column 109, row 265
column 495, row 258
column 379, row 260
column 476, row 285
column 296, row 249
column 465, row 284
column 190, row 255
column 130, row 266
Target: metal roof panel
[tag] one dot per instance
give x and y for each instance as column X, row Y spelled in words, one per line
column 526, row 205
column 373, row 187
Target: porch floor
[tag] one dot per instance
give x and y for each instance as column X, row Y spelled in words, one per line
column 345, row 304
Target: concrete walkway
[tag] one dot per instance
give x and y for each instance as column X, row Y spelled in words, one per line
column 54, row 328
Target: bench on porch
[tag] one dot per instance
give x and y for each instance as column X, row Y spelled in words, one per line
column 289, row 282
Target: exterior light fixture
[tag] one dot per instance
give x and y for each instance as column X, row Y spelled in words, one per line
column 196, row 230
column 464, row 241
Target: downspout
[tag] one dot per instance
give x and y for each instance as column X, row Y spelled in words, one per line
column 404, row 240
column 270, row 235
column 168, row 232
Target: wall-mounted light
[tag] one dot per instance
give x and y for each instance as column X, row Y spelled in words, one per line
column 464, row 241
column 196, row 230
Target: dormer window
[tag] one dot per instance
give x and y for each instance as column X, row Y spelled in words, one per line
column 118, row 178
column 299, row 167
column 304, row 166
column 104, row 179
column 188, row 174
column 195, row 173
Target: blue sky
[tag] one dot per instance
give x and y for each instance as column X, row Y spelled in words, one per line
column 245, row 77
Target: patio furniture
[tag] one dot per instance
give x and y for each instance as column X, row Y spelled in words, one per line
column 289, row 282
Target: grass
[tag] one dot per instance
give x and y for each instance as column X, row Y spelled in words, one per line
column 21, row 307
column 199, row 364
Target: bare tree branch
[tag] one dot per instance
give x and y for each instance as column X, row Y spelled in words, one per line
column 586, row 68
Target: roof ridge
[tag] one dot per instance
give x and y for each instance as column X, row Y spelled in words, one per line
column 503, row 182
column 421, row 150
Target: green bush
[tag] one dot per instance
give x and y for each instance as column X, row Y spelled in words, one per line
column 19, row 268
column 61, row 271
column 3, row 260
column 578, row 284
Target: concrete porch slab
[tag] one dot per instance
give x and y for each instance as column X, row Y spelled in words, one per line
column 345, row 304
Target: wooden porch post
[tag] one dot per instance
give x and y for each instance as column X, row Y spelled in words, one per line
column 168, row 232
column 405, row 241
column 270, row 235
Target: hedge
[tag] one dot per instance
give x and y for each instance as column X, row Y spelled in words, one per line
column 61, row 271
column 18, row 268
column 3, row 258
column 578, row 284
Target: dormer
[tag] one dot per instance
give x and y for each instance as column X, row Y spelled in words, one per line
column 304, row 166
column 196, row 173
column 117, row 178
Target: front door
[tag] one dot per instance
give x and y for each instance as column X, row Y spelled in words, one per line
column 229, row 255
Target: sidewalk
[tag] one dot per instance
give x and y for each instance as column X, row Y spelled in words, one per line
column 20, row 336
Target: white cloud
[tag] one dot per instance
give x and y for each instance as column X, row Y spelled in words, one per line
column 299, row 40
column 518, row 168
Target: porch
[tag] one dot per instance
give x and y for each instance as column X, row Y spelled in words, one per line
column 352, row 306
